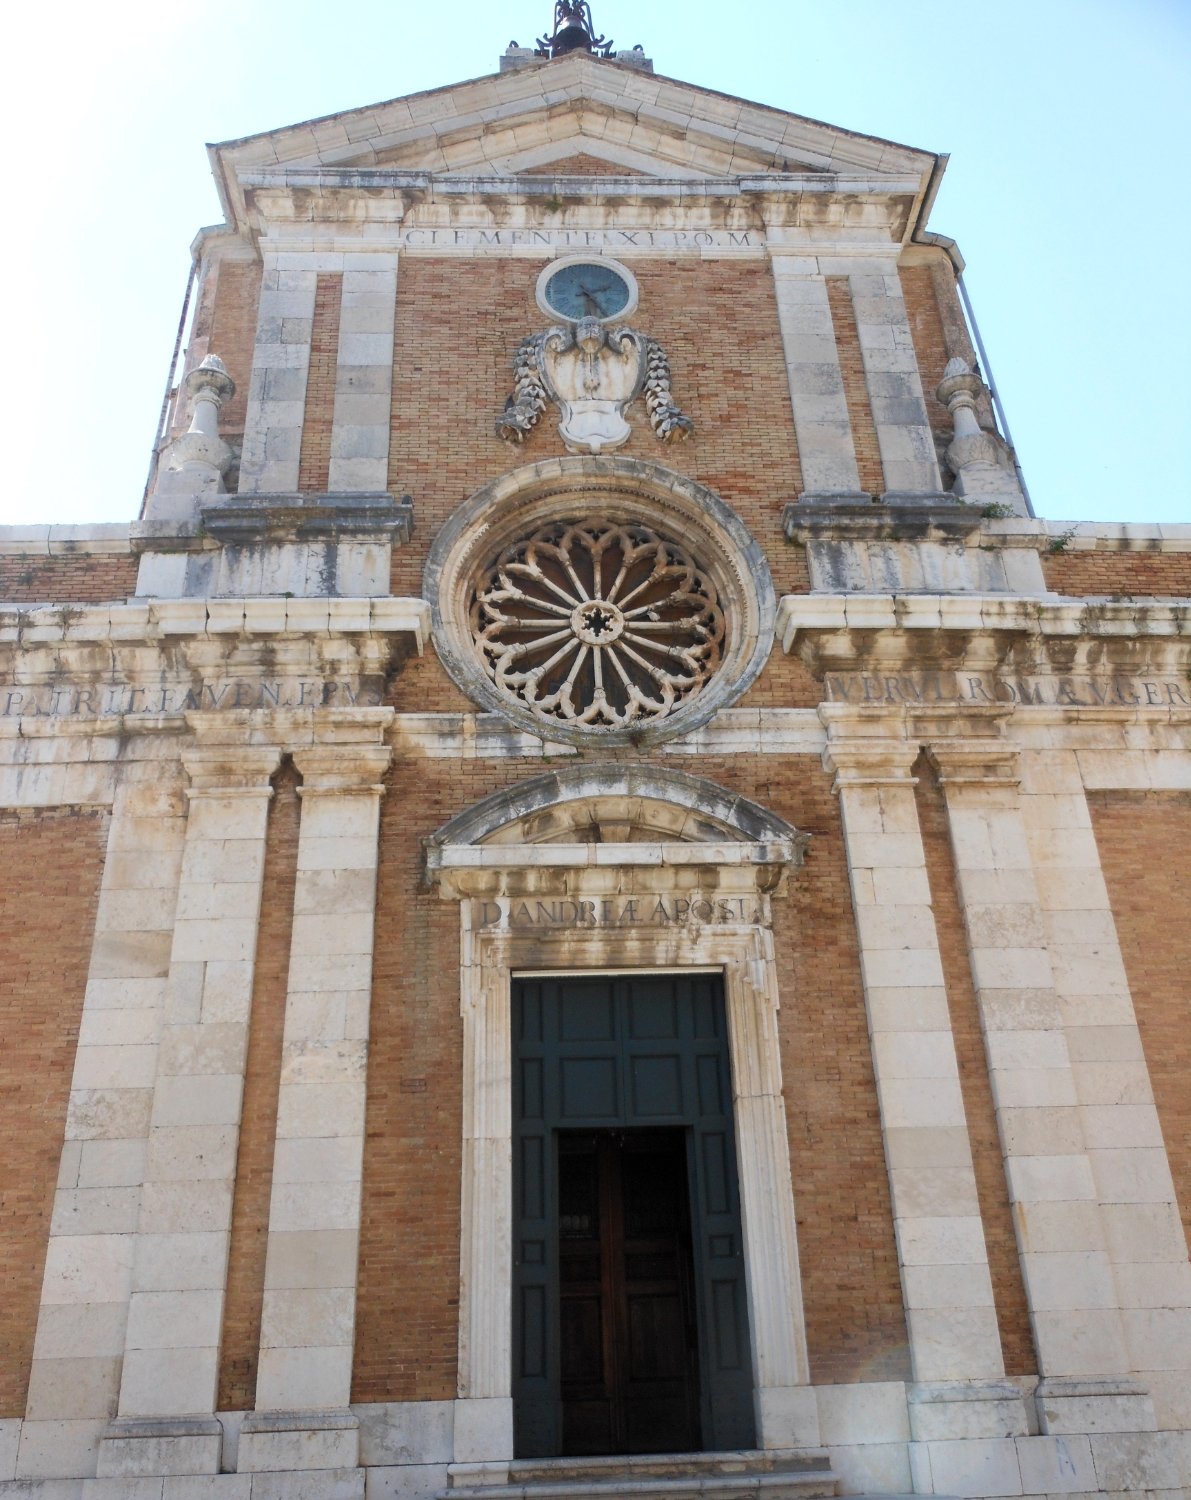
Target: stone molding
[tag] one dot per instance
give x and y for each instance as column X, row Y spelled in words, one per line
column 785, row 1407
column 889, row 517
column 699, row 802
column 151, row 620
column 274, row 518
column 736, row 940
column 616, row 489
column 1082, row 536
column 231, row 770
column 1034, row 639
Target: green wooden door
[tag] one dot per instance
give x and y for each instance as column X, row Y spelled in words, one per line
column 595, row 1058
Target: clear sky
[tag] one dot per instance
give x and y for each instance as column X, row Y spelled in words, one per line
column 1068, row 124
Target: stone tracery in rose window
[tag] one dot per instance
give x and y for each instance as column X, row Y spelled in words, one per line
column 598, row 623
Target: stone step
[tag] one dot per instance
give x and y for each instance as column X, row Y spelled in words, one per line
column 782, row 1474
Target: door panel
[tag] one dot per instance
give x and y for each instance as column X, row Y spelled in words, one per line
column 629, row 1368
column 598, row 1055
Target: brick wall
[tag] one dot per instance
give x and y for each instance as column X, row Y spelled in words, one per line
column 930, row 340
column 1144, row 840
column 851, row 361
column 1009, row 1294
column 407, row 1323
column 1138, row 575
column 67, row 578
column 52, row 863
column 580, row 165
column 254, row 1163
column 233, row 335
column 458, row 325
column 314, row 464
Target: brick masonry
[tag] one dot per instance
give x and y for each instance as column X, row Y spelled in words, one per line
column 1139, row 575
column 930, row 341
column 254, row 1161
column 1145, row 849
column 580, row 165
column 314, row 466
column 406, row 1328
column 459, row 324
column 75, row 578
column 851, row 363
column 52, row 863
column 233, row 335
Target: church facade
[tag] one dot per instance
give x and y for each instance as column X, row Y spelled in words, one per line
column 591, row 903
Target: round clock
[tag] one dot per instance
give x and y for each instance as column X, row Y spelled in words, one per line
column 580, row 287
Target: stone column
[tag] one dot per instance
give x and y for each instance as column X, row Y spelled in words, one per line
column 166, row 1422
column 81, row 1323
column 825, row 445
column 1122, row 1133
column 280, row 364
column 302, row 1418
column 1064, row 1258
column 894, row 386
column 946, row 1281
column 364, row 374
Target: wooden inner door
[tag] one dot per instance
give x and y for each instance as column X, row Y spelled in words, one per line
column 629, row 1344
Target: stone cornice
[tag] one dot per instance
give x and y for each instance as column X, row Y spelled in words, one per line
column 966, row 651
column 155, row 620
column 492, row 122
column 821, row 626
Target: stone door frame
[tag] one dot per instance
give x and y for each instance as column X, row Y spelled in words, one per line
column 703, row 902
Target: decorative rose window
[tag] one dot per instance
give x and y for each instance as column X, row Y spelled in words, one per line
column 599, row 600
column 593, row 623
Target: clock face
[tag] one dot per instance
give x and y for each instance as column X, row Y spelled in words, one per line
column 587, row 289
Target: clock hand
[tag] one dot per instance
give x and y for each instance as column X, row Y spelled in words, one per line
column 592, row 302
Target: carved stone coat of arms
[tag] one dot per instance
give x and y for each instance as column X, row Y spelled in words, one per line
column 592, row 374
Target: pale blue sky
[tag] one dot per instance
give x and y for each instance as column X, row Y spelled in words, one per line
column 1068, row 126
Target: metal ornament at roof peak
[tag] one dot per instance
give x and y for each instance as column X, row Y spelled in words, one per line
column 574, row 31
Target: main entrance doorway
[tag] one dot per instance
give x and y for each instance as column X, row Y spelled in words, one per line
column 630, row 1321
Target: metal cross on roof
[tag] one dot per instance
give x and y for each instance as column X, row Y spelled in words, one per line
column 574, row 31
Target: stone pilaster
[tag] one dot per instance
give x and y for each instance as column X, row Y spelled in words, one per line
column 894, row 387
column 166, row 1419
column 302, row 1417
column 280, row 365
column 1121, row 1129
column 364, row 374
column 1065, row 1262
column 945, row 1274
column 826, row 449
column 83, row 1315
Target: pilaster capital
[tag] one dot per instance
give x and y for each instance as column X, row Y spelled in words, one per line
column 866, row 747
column 231, row 770
column 975, row 762
column 870, row 762
column 343, row 769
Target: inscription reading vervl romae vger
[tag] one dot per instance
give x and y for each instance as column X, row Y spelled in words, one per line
column 1075, row 691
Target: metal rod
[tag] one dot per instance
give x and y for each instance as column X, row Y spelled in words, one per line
column 990, row 381
column 169, row 384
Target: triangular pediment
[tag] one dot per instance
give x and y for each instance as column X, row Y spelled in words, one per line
column 608, row 118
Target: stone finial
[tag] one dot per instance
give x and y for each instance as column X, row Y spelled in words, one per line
column 982, row 463
column 191, row 468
